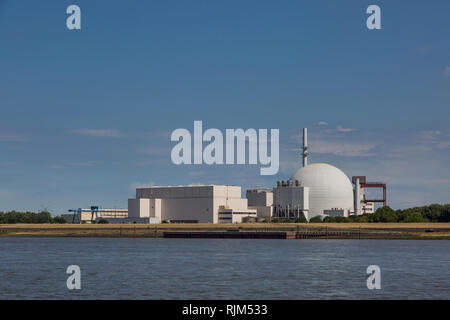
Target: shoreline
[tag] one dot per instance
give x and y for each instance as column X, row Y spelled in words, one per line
column 412, row 231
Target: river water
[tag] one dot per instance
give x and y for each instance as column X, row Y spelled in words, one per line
column 148, row 268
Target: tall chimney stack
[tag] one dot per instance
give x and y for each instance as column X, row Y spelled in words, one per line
column 357, row 197
column 305, row 147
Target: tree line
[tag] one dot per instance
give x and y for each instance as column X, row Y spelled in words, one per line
column 431, row 213
column 29, row 217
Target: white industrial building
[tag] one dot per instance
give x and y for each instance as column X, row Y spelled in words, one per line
column 190, row 204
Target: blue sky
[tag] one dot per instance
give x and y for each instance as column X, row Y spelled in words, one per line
column 86, row 115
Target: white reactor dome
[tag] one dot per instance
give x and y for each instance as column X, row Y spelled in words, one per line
column 329, row 187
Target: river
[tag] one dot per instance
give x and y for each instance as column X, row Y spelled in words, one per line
column 156, row 268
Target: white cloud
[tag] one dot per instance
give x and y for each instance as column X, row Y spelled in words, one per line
column 289, row 167
column 443, row 144
column 196, row 174
column 143, row 163
column 346, row 149
column 157, row 151
column 89, row 163
column 165, row 134
column 322, row 123
column 135, row 185
column 430, row 134
column 11, row 137
column 194, row 184
column 100, row 132
column 430, row 138
column 56, row 166
column 7, row 194
column 342, row 129
column 447, row 72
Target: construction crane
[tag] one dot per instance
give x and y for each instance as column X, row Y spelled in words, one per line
column 77, row 213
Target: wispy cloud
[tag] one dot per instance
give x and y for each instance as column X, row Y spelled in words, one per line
column 346, row 149
column 12, row 137
column 322, row 123
column 289, row 166
column 135, row 185
column 447, row 72
column 100, row 132
column 342, row 129
column 157, row 134
column 444, row 144
column 6, row 194
column 89, row 163
column 433, row 138
column 423, row 50
column 430, row 135
column 196, row 174
column 157, row 150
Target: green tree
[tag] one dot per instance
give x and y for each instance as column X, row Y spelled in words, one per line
column 340, row 219
column 362, row 219
column 445, row 215
column 329, row 219
column 315, row 219
column 43, row 217
column 384, row 214
column 59, row 219
column 411, row 217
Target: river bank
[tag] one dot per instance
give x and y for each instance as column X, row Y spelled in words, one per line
column 259, row 230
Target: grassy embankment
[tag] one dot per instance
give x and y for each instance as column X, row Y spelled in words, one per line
column 366, row 230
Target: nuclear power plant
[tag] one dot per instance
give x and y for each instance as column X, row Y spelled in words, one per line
column 316, row 189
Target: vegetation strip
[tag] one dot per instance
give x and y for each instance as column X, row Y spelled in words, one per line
column 300, row 230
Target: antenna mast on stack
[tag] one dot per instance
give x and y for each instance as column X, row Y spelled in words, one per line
column 305, row 147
